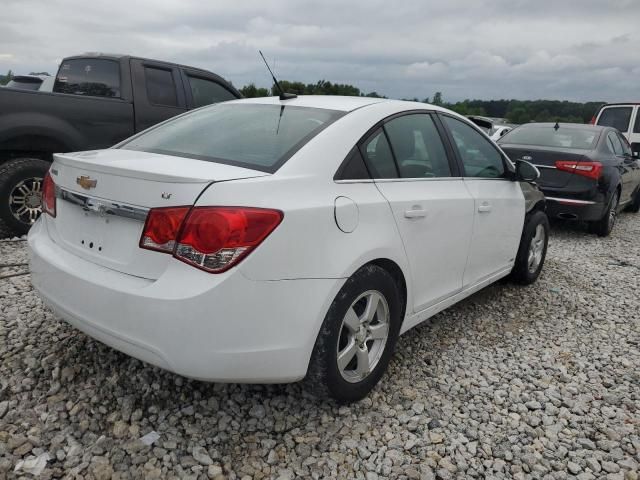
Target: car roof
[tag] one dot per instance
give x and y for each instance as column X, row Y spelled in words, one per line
column 336, row 102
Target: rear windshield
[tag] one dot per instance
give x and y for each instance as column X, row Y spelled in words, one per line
column 93, row 77
column 548, row 136
column 260, row 137
column 616, row 117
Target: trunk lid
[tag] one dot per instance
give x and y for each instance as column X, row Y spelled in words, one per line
column 545, row 159
column 104, row 197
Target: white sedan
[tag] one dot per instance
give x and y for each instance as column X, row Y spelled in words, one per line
column 270, row 240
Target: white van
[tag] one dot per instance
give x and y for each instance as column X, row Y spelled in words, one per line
column 623, row 116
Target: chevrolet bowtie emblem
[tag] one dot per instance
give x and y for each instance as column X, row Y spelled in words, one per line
column 86, row 182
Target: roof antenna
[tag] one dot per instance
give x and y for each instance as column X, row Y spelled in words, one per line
column 556, row 127
column 283, row 94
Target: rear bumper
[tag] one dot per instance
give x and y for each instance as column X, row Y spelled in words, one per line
column 572, row 209
column 210, row 327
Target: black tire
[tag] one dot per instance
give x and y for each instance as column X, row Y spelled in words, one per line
column 324, row 378
column 523, row 271
column 12, row 173
column 634, row 206
column 604, row 226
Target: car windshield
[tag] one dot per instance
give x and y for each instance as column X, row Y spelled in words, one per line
column 257, row 136
column 548, row 136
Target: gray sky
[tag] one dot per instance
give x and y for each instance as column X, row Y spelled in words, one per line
column 527, row 49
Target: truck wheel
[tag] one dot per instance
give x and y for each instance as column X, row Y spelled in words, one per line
column 21, row 192
column 532, row 250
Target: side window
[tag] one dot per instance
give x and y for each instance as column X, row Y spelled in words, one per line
column 616, row 117
column 161, row 89
column 417, row 147
column 353, row 167
column 206, row 92
column 479, row 157
column 614, row 143
column 378, row 156
column 626, row 148
column 89, row 76
column 636, row 127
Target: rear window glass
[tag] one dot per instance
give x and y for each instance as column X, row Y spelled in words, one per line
column 548, row 136
column 261, row 137
column 616, row 117
column 89, row 76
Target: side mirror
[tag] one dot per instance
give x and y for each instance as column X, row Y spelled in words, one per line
column 526, row 172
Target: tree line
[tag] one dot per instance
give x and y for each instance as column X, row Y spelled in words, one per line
column 514, row 111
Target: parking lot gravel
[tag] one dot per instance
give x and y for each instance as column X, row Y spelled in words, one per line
column 515, row 382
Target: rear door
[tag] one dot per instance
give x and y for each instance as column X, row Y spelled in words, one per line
column 499, row 207
column 627, row 164
column 431, row 206
column 158, row 93
column 634, row 136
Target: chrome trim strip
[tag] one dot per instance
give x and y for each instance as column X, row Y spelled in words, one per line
column 571, row 201
column 102, row 207
column 551, row 167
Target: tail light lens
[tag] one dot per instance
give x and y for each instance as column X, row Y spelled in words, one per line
column 49, row 195
column 213, row 239
column 161, row 228
column 585, row 169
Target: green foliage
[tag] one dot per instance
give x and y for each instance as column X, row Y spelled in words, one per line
column 4, row 79
column 251, row 91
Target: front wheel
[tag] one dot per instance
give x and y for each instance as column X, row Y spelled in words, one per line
column 357, row 337
column 21, row 192
column 634, row 206
column 532, row 250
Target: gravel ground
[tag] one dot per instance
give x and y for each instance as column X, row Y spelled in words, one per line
column 536, row 382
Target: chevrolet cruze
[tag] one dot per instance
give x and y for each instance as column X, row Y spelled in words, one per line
column 271, row 240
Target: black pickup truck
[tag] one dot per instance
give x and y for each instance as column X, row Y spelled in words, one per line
column 97, row 101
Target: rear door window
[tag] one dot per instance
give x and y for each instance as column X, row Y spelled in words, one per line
column 417, row 147
column 616, row 117
column 160, row 86
column 205, row 92
column 89, row 76
column 377, row 153
column 636, row 127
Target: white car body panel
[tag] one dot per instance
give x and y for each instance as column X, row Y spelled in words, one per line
column 632, row 129
column 258, row 321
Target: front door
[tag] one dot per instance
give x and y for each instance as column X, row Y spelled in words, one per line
column 432, row 207
column 499, row 207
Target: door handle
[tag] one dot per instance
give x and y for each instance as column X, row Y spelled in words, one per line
column 415, row 213
column 484, row 208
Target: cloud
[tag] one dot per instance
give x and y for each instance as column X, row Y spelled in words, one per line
column 575, row 50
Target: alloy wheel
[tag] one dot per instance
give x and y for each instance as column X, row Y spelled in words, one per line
column 25, row 200
column 363, row 336
column 536, row 249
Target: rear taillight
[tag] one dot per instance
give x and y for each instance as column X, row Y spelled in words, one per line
column 161, row 228
column 49, row 195
column 593, row 120
column 585, row 169
column 213, row 239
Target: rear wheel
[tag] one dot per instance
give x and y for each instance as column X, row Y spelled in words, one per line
column 357, row 337
column 21, row 193
column 604, row 226
column 532, row 250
